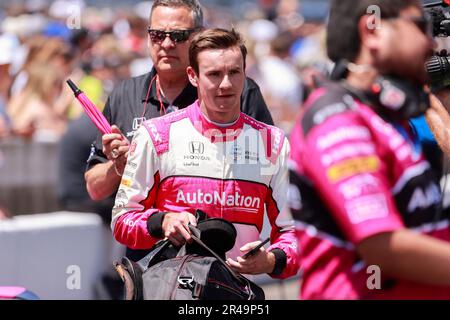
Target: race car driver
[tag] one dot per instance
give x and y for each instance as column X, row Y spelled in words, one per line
column 212, row 157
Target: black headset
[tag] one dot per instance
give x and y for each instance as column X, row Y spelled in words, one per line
column 395, row 98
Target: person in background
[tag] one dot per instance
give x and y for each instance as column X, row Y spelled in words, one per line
column 365, row 197
column 32, row 111
column 7, row 48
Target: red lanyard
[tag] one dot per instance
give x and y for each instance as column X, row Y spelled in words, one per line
column 162, row 110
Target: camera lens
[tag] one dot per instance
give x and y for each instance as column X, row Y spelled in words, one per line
column 438, row 68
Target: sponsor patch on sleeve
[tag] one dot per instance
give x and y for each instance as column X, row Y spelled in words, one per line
column 367, row 208
column 358, row 186
column 351, row 167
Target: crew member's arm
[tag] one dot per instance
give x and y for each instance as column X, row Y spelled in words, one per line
column 404, row 254
column 280, row 260
column 103, row 179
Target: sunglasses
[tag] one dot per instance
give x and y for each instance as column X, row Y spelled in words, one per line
column 423, row 23
column 177, row 36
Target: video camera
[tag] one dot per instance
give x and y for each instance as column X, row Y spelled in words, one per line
column 438, row 66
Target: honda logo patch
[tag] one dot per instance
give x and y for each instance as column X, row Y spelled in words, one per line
column 196, row 147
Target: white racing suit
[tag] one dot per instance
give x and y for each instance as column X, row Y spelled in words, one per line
column 183, row 162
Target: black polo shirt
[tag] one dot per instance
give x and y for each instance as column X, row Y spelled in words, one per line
column 128, row 106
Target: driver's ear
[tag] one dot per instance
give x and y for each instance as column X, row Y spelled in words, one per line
column 192, row 75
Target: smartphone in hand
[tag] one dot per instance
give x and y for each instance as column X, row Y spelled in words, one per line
column 255, row 249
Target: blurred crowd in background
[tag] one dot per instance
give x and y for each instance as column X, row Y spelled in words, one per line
column 43, row 43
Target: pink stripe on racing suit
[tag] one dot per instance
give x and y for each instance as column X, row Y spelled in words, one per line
column 182, row 162
column 354, row 175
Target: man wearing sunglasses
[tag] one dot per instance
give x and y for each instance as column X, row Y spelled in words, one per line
column 365, row 197
column 165, row 89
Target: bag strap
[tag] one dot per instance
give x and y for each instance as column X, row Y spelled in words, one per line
column 242, row 280
column 160, row 247
column 196, row 237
